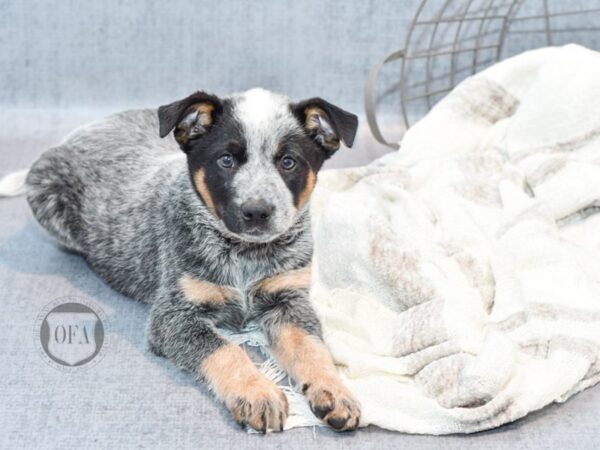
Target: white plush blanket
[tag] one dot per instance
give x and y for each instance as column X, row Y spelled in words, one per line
column 458, row 279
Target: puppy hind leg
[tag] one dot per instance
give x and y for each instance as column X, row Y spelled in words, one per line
column 55, row 194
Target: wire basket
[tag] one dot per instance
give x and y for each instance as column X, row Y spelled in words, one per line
column 450, row 40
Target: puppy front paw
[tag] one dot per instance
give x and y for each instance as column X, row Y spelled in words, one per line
column 331, row 402
column 261, row 405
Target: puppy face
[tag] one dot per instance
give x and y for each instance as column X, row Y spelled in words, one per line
column 253, row 157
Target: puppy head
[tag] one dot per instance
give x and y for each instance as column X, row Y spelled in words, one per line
column 253, row 157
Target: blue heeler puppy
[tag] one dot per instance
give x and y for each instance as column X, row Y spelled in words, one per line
column 209, row 226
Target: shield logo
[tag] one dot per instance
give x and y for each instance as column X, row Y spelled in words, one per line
column 71, row 337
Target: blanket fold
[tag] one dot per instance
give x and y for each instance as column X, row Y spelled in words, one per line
column 458, row 279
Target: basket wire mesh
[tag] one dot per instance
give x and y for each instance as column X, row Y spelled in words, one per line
column 449, row 40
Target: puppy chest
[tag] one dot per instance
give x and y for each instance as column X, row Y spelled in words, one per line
column 226, row 298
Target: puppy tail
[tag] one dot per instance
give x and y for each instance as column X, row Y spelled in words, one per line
column 14, row 184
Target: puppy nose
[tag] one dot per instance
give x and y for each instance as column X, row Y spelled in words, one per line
column 256, row 212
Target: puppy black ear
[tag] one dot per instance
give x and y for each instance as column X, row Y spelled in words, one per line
column 191, row 117
column 326, row 123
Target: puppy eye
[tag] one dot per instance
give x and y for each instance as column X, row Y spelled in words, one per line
column 226, row 161
column 287, row 163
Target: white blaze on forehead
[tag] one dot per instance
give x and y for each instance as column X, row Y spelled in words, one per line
column 265, row 117
column 258, row 107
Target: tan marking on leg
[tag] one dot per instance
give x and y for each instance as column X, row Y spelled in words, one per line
column 229, row 371
column 198, row 291
column 304, row 196
column 199, row 181
column 295, row 279
column 309, row 362
column 304, row 356
column 252, row 399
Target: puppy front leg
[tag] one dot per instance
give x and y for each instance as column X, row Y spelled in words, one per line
column 294, row 333
column 179, row 330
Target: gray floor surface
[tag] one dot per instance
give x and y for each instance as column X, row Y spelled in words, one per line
column 133, row 399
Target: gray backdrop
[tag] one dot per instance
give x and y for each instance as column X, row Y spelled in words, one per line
column 64, row 62
column 74, row 53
